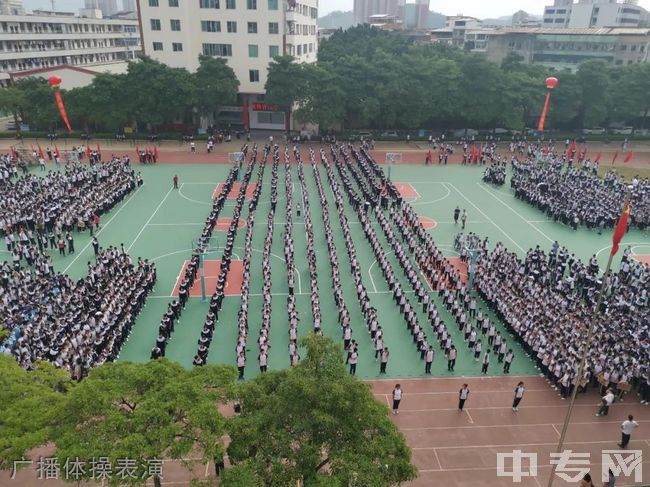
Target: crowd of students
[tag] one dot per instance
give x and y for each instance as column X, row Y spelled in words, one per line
column 547, row 302
column 39, row 214
column 576, row 196
column 495, row 174
column 73, row 324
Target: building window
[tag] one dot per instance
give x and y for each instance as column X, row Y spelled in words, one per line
column 273, row 4
column 153, row 3
column 253, row 50
column 173, row 3
column 623, row 47
column 311, row 47
column 274, row 51
column 231, row 26
column 619, row 62
column 157, row 46
column 633, row 48
column 559, row 21
column 222, row 50
column 177, row 47
column 231, row 4
column 252, row 27
column 274, row 28
column 208, row 3
column 275, row 118
column 155, row 24
column 175, row 25
column 299, row 52
column 210, row 26
column 251, row 4
column 254, row 75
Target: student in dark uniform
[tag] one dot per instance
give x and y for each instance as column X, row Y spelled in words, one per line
column 463, row 394
column 519, row 394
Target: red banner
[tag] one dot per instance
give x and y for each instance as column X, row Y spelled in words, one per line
column 62, row 112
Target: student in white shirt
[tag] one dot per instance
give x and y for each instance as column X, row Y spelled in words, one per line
column 429, row 356
column 397, row 397
column 626, row 430
column 241, row 363
column 519, row 394
column 354, row 357
column 607, row 401
column 463, row 394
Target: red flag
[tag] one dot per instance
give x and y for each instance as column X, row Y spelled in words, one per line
column 621, row 228
column 629, row 156
column 615, row 157
column 597, row 159
column 40, row 151
column 99, row 150
column 87, row 151
column 14, row 154
column 155, row 151
column 56, row 151
column 583, row 156
column 571, row 150
column 137, row 151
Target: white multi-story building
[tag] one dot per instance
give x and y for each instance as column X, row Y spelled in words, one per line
column 247, row 33
column 594, row 14
column 49, row 39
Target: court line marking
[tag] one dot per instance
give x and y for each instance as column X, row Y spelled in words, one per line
column 437, row 458
column 456, row 392
column 509, row 425
column 128, row 249
column 519, row 445
column 180, row 193
column 622, row 244
column 102, row 229
column 493, row 407
column 482, row 186
column 174, row 224
column 428, row 202
column 486, row 216
column 462, row 469
column 559, row 435
column 469, row 417
column 372, row 281
column 295, row 269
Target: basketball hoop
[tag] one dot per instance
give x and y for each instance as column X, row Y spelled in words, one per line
column 235, row 157
column 393, row 158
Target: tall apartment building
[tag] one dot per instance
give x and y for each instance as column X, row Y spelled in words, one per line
column 594, row 13
column 247, row 33
column 364, row 9
column 49, row 39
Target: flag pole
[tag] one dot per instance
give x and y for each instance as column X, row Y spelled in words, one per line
column 583, row 359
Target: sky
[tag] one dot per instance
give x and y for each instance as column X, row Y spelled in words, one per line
column 474, row 8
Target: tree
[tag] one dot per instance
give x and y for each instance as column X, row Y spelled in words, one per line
column 157, row 94
column 594, row 81
column 286, row 84
column 317, row 424
column 633, row 90
column 37, row 105
column 324, row 103
column 143, row 412
column 30, row 402
column 12, row 100
column 215, row 85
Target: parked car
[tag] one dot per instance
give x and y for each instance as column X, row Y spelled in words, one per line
column 623, row 130
column 594, row 131
column 389, row 133
column 466, row 133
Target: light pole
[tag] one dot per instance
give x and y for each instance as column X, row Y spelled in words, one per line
column 551, row 83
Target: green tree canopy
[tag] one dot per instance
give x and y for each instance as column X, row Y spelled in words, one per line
column 215, row 85
column 29, row 405
column 317, row 424
column 143, row 412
